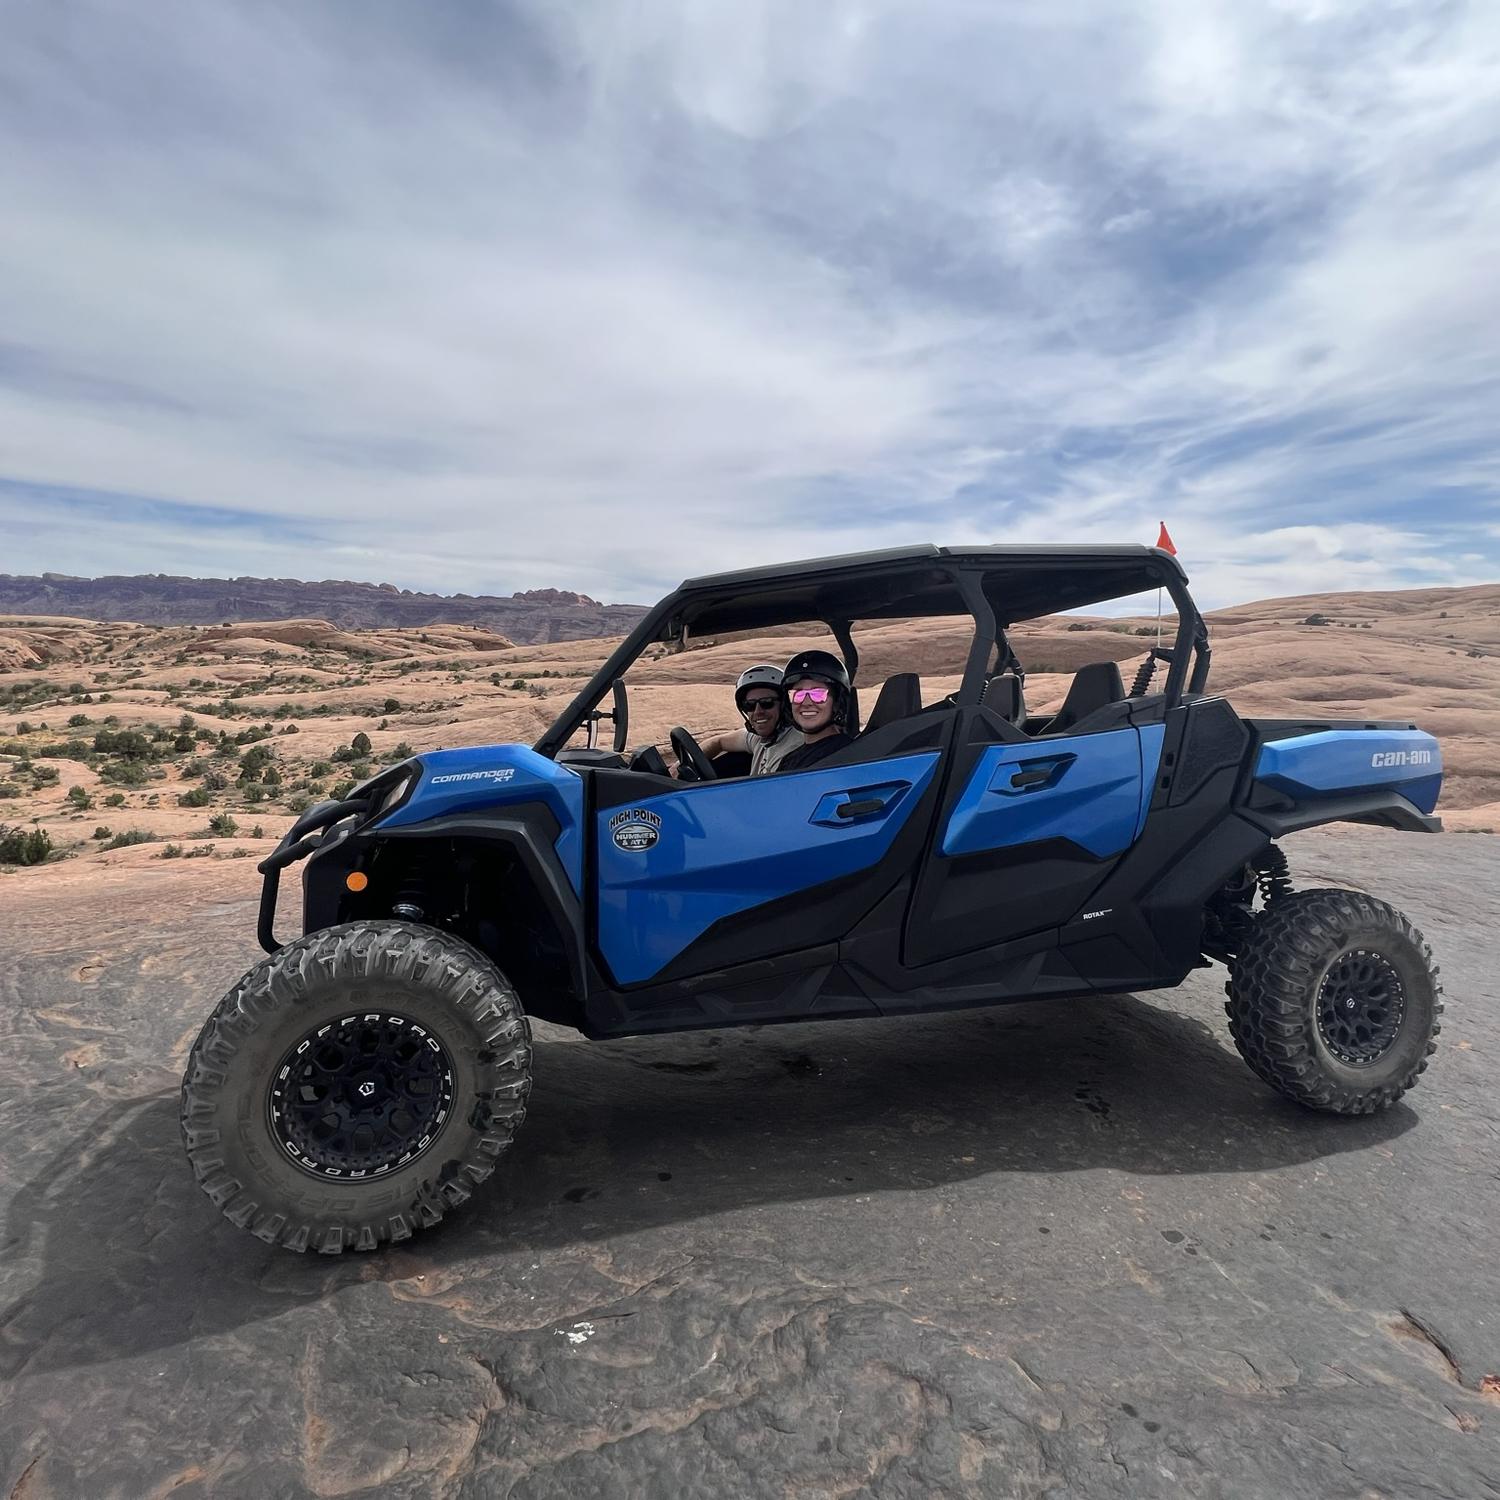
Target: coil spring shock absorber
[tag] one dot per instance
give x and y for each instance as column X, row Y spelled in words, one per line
column 1273, row 876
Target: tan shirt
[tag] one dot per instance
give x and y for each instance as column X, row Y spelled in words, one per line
column 767, row 755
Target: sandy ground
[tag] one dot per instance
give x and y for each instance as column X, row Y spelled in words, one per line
column 1430, row 656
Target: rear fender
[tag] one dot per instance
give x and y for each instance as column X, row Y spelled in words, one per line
column 1331, row 765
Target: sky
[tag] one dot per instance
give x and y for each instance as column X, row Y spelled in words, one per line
column 469, row 296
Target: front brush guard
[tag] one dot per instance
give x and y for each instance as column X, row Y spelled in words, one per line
column 305, row 835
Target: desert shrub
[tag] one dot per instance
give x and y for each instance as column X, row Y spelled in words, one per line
column 221, row 825
column 271, row 776
column 257, row 832
column 391, row 706
column 536, row 689
column 183, row 744
column 102, row 832
column 342, row 789
column 129, row 837
column 319, row 768
column 215, row 781
column 172, row 851
column 115, row 799
column 10, row 789
column 67, row 750
column 24, row 846
column 403, row 751
column 45, row 776
column 360, row 744
column 1317, row 620
column 299, row 802
column 123, row 773
column 79, row 798
column 197, row 797
column 130, row 744
column 254, row 792
column 1079, row 625
column 77, row 721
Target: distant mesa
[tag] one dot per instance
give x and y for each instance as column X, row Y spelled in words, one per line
column 530, row 617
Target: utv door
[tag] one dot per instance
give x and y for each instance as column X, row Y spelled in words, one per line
column 1028, row 829
column 689, row 879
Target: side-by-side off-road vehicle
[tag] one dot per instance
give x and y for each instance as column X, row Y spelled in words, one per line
column 366, row 1077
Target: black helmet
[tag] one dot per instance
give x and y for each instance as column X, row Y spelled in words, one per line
column 823, row 665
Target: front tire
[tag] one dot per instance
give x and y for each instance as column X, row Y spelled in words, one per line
column 1334, row 1001
column 356, row 1086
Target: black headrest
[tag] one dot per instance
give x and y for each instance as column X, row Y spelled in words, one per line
column 1003, row 695
column 1094, row 686
column 900, row 698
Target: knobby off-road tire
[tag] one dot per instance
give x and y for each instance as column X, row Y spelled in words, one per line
column 419, row 1021
column 1307, row 958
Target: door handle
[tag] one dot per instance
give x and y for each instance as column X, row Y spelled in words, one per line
column 841, row 808
column 1032, row 775
column 1030, row 778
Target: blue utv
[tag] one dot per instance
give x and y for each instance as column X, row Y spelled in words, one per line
column 366, row 1077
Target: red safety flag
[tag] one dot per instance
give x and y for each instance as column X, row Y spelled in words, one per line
column 1164, row 541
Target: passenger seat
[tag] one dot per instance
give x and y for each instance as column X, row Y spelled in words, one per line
column 1094, row 687
column 900, row 698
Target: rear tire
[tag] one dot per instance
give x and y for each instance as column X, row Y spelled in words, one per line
column 1334, row 1001
column 356, row 1086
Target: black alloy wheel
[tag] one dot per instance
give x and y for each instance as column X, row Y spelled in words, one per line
column 356, row 1097
column 1361, row 1005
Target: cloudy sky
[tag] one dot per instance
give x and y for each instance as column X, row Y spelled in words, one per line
column 469, row 296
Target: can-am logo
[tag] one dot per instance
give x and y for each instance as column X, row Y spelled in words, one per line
column 503, row 774
column 1385, row 758
column 635, row 829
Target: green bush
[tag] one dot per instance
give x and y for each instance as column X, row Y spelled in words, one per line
column 101, row 832
column 221, row 825
column 45, row 776
column 360, row 744
column 129, row 837
column 299, row 802
column 24, row 846
column 77, row 721
column 124, row 773
column 9, row 789
column 342, row 789
column 197, row 797
column 129, row 743
column 215, row 781
column 172, row 851
column 403, row 751
column 79, row 798
column 115, row 799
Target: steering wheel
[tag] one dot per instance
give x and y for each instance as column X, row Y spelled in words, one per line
column 690, row 757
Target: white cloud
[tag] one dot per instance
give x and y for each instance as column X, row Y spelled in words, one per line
column 513, row 295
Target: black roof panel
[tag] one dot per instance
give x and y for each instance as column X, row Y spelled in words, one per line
column 1021, row 581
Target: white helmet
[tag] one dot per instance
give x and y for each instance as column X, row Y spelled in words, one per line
column 764, row 675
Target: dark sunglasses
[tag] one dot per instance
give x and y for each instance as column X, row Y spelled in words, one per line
column 754, row 705
column 811, row 695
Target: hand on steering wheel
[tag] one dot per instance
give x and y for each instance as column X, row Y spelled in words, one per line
column 690, row 758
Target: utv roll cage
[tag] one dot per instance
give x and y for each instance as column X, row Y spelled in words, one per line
column 997, row 586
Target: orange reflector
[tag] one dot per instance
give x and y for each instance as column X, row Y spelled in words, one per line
column 356, row 880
